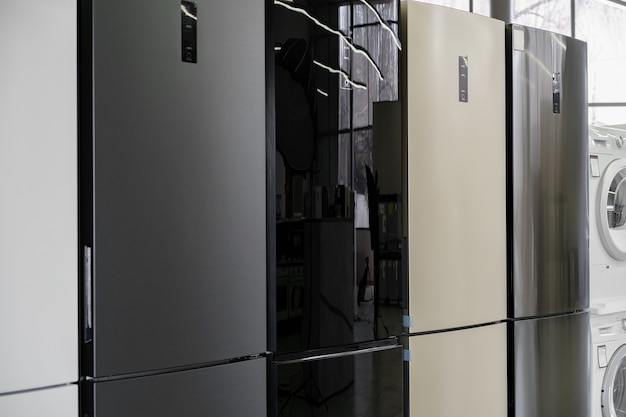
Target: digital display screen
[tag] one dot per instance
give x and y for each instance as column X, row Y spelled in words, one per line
column 189, row 23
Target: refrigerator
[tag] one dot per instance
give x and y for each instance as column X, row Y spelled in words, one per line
column 172, row 208
column 335, row 350
column 38, row 208
column 454, row 124
column 549, row 336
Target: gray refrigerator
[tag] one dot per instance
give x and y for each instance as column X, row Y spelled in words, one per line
column 549, row 336
column 172, row 208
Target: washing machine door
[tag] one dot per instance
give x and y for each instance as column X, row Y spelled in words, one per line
column 614, row 385
column 611, row 209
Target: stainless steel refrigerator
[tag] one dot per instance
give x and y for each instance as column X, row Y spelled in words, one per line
column 172, row 190
column 549, row 336
column 38, row 204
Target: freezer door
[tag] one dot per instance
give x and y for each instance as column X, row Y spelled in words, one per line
column 179, row 183
column 232, row 390
column 455, row 116
column 38, row 195
column 551, row 361
column 548, row 170
column 368, row 383
column 51, row 402
column 459, row 373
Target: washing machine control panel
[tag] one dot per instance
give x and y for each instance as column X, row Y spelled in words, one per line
column 608, row 144
column 609, row 330
column 606, row 140
column 619, row 327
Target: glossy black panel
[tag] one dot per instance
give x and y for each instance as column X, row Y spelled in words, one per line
column 338, row 280
column 366, row 384
column 188, row 29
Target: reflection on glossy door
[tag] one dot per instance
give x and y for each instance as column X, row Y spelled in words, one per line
column 363, row 385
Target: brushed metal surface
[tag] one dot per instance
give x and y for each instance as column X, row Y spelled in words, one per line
column 232, row 390
column 549, row 214
column 552, row 366
column 179, row 179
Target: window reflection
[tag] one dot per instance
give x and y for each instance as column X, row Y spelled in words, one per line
column 482, row 7
column 605, row 116
column 355, row 107
column 552, row 15
column 603, row 26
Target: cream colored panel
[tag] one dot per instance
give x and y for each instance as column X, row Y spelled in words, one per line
column 456, row 168
column 459, row 373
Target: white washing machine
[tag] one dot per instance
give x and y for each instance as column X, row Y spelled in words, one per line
column 609, row 365
column 607, row 216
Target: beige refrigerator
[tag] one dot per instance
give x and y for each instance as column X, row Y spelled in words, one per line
column 454, row 126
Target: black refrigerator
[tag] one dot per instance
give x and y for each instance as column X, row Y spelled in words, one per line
column 172, row 208
column 336, row 301
column 549, row 336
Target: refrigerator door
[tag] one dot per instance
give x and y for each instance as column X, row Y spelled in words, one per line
column 330, row 288
column 51, row 402
column 551, row 366
column 232, row 390
column 455, row 119
column 362, row 384
column 459, row 373
column 548, row 150
column 179, row 183
column 38, row 195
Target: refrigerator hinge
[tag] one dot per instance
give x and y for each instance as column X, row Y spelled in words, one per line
column 87, row 295
column 407, row 321
column 406, row 355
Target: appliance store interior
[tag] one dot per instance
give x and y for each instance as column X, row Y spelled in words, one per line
column 290, row 208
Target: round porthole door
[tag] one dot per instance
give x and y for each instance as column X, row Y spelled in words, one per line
column 611, row 209
column 614, row 385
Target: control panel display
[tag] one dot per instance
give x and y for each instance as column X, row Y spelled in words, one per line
column 463, row 81
column 189, row 23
